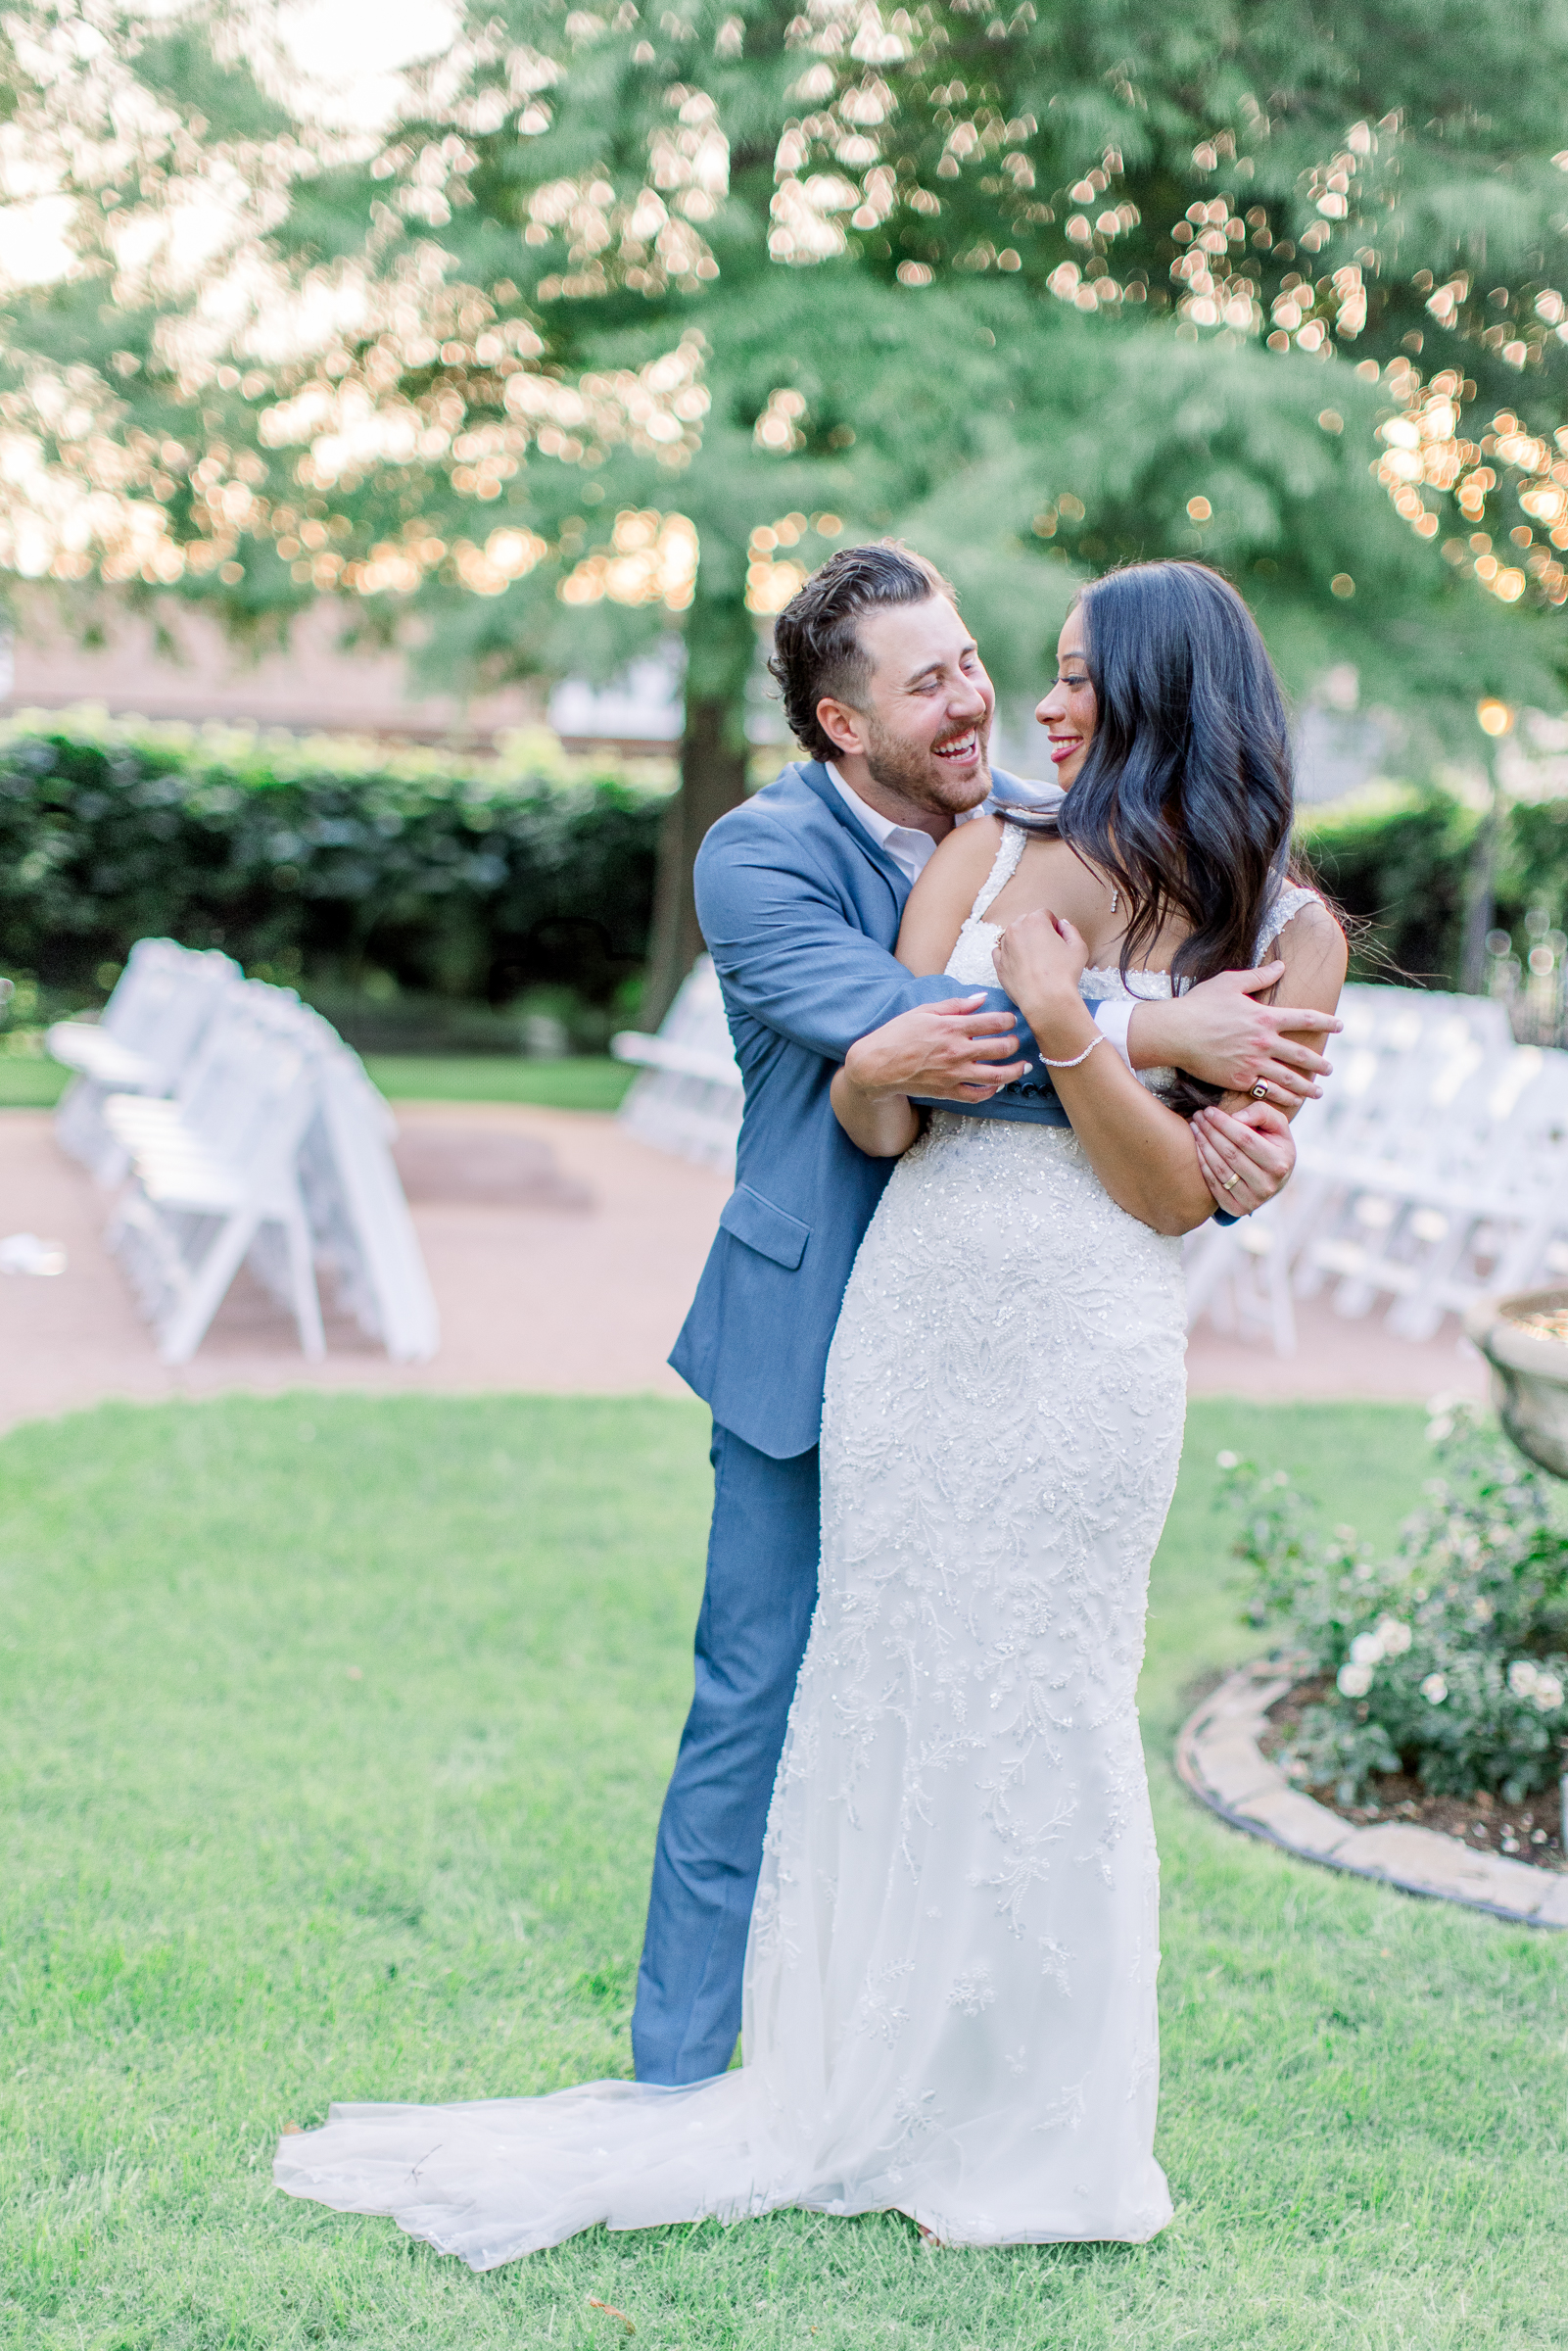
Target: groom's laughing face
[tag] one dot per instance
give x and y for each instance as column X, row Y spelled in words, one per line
column 923, row 722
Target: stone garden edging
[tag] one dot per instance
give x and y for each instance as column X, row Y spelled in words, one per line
column 1218, row 1757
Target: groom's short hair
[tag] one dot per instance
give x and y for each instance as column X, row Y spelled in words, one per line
column 817, row 652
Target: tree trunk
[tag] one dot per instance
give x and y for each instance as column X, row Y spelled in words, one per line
column 720, row 647
column 1480, row 909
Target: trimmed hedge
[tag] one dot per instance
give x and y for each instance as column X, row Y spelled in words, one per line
column 1397, row 859
column 425, row 910
column 462, row 891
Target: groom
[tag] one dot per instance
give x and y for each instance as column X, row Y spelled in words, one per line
column 800, row 892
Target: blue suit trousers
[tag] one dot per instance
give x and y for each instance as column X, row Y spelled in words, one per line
column 756, row 1612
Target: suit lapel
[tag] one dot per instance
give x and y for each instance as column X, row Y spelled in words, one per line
column 814, row 773
column 1014, row 791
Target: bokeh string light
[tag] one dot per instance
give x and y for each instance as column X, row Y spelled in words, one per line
column 1427, row 459
column 105, row 499
column 773, row 572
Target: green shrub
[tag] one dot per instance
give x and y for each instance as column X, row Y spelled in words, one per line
column 1534, row 863
column 430, row 911
column 455, row 889
column 1394, row 859
column 1448, row 1661
column 1397, row 858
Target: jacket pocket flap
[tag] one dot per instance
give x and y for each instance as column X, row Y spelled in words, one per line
column 763, row 1227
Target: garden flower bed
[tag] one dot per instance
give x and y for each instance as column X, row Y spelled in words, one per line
column 1219, row 1755
column 1418, row 1700
column 1530, row 1830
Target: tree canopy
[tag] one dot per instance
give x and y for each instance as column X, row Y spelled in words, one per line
column 630, row 318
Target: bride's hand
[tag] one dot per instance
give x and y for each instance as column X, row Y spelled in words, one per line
column 1039, row 960
column 1246, row 1158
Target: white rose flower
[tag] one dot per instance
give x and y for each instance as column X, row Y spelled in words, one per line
column 1394, row 1637
column 1367, row 1648
column 1546, row 1694
column 1434, row 1689
column 1354, row 1680
column 1523, row 1675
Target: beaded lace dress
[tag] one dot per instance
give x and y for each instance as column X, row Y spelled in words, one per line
column 950, row 1979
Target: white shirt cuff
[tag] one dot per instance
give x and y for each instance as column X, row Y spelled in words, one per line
column 1112, row 1017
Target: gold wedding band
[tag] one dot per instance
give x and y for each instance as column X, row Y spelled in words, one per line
column 1230, row 1183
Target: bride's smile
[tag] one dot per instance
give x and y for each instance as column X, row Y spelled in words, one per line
column 1069, row 712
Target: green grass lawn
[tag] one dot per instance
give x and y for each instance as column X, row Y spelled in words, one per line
column 28, row 1085
column 334, row 1733
column 583, row 1081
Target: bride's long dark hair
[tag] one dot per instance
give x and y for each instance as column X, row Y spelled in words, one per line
column 1186, row 797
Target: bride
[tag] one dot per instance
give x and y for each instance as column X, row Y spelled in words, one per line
column 950, row 1979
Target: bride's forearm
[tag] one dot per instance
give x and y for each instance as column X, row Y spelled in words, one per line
column 1143, row 1154
column 882, row 1124
column 1150, row 1169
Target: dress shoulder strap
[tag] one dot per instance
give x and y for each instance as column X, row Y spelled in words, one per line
column 1004, row 865
column 1286, row 906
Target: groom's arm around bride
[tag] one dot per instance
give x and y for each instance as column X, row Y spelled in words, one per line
column 800, row 892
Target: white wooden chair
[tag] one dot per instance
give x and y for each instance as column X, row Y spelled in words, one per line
column 274, row 1149
column 359, row 1221
column 690, row 1097
column 1477, row 1199
column 214, row 1166
column 1435, row 1169
column 239, row 1125
column 151, row 1026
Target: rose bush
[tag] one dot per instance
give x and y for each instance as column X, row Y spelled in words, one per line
column 1447, row 1660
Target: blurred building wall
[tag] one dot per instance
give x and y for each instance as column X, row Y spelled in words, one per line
column 312, row 686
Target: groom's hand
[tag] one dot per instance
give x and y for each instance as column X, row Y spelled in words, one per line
column 952, row 1052
column 1218, row 1032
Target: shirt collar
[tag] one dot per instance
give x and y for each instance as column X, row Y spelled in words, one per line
column 879, row 827
column 882, row 828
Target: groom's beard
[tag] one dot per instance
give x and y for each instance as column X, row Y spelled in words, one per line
column 918, row 775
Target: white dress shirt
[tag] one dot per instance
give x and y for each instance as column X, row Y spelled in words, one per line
column 912, row 850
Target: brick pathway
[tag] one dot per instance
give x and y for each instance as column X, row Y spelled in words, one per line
column 564, row 1254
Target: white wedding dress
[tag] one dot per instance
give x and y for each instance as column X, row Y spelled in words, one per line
column 950, row 1979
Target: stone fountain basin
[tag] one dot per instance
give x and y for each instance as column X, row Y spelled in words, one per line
column 1529, row 1375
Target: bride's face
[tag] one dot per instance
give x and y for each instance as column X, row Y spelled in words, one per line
column 1068, row 711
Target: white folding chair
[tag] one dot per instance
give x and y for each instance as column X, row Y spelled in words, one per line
column 212, row 1168
column 359, row 1221
column 1424, row 1172
column 691, row 1096
column 151, row 1026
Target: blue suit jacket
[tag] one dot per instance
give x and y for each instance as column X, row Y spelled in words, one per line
column 800, row 908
